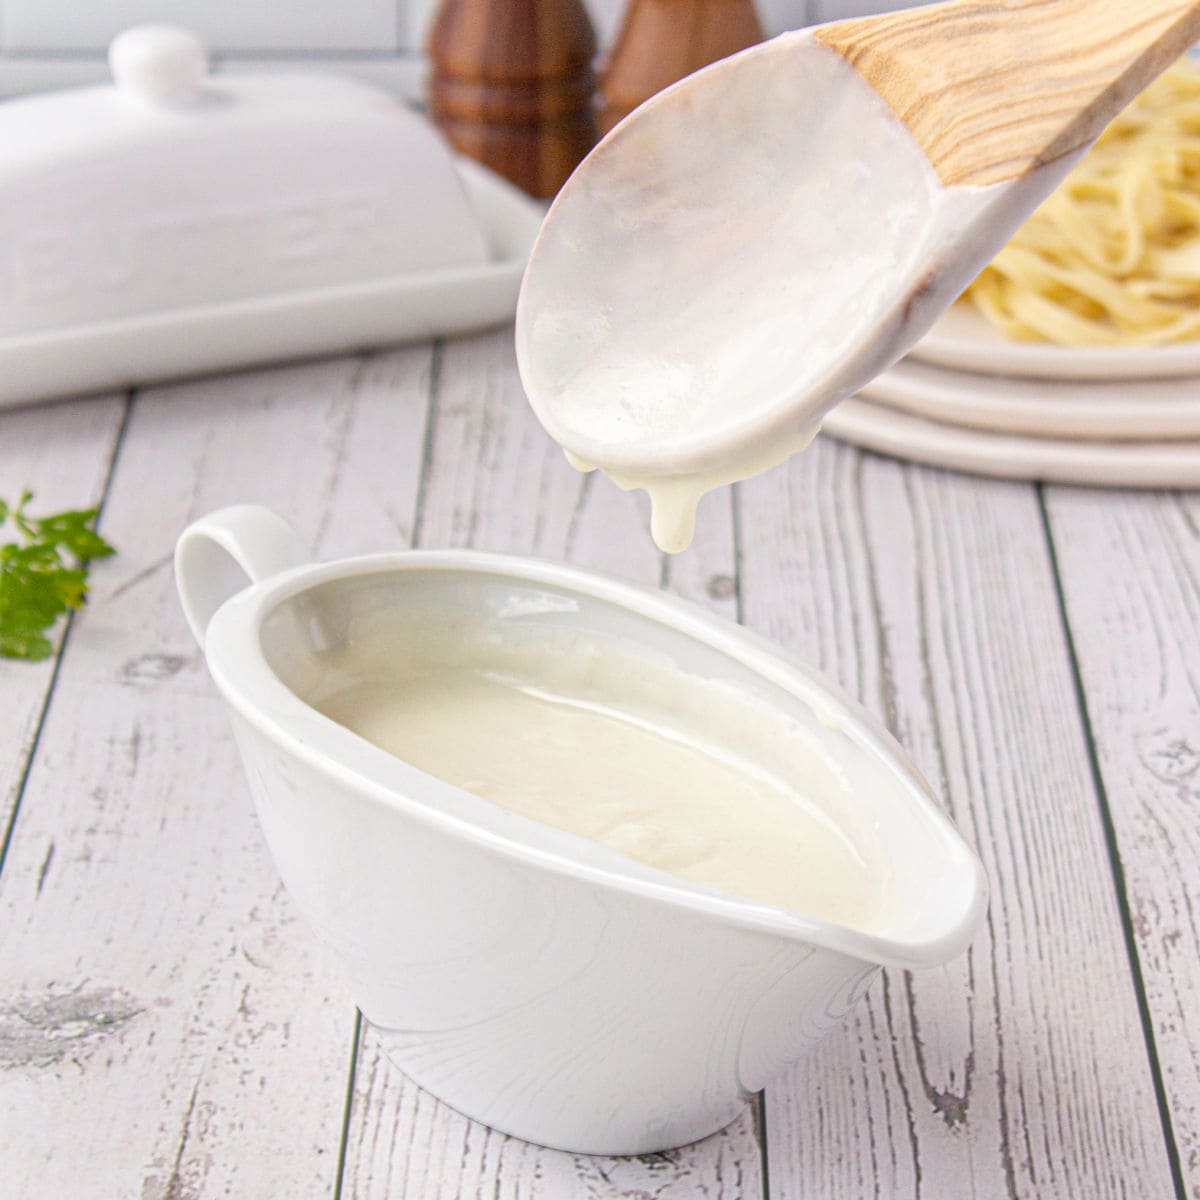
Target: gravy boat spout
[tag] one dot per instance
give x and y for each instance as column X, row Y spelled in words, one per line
column 535, row 980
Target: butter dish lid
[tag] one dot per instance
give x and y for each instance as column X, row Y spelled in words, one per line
column 171, row 195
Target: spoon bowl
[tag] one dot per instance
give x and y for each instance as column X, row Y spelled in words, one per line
column 758, row 241
column 719, row 269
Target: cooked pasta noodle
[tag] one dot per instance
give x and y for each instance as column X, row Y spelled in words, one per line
column 1112, row 257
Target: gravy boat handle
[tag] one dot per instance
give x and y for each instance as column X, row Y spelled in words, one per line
column 219, row 555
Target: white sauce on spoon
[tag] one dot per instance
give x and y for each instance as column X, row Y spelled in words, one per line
column 722, row 271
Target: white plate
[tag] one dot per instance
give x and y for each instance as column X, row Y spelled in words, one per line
column 963, row 338
column 1133, row 410
column 304, row 324
column 1129, row 464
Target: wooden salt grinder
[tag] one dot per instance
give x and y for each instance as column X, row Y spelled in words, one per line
column 664, row 40
column 513, row 85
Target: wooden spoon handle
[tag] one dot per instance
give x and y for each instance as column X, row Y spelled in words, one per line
column 992, row 89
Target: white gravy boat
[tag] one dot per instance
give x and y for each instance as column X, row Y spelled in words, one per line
column 534, row 980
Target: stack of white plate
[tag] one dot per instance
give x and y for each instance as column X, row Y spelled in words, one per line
column 967, row 397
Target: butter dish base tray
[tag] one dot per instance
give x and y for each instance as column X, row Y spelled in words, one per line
column 113, row 355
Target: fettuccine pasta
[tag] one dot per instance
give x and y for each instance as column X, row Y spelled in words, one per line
column 1112, row 258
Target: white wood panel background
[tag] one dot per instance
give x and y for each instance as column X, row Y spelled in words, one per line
column 60, row 43
column 296, row 25
column 169, row 1030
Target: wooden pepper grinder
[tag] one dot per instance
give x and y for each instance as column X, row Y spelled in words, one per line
column 513, row 86
column 664, row 40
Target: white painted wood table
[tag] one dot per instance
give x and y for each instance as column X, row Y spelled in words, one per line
column 170, row 1031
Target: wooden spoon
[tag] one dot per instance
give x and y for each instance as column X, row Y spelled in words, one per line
column 991, row 91
column 758, row 241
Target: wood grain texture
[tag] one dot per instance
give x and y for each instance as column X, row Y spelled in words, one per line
column 404, row 1144
column 512, row 85
column 495, row 481
column 993, row 90
column 661, row 41
column 1130, row 568
column 62, row 453
column 168, row 1027
column 169, row 1030
column 1021, row 1070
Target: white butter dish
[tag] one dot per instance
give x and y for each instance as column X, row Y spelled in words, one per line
column 172, row 224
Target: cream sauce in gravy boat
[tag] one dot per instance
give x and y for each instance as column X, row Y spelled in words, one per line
column 535, row 980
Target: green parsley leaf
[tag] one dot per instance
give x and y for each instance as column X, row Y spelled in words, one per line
column 43, row 574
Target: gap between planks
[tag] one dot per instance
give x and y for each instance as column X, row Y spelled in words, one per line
column 928, row 595
column 229, row 1075
column 1129, row 600
column 59, row 498
column 491, row 479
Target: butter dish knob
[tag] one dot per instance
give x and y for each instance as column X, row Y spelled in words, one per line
column 159, row 64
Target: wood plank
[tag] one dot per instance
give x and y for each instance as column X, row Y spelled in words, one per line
column 1019, row 1071
column 62, row 453
column 167, row 1026
column 496, row 482
column 1130, row 569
